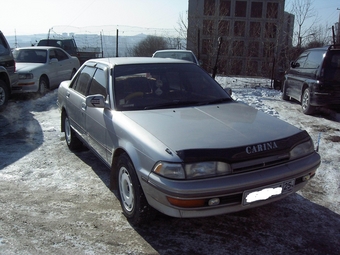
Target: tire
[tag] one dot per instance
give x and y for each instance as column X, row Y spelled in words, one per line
column 131, row 196
column 4, row 95
column 71, row 138
column 305, row 103
column 284, row 91
column 43, row 85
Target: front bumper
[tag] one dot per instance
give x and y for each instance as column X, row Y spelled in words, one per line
column 229, row 190
column 24, row 86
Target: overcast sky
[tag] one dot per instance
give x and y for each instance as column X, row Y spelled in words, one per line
column 26, row 17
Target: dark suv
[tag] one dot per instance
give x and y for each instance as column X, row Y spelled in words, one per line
column 314, row 78
column 8, row 77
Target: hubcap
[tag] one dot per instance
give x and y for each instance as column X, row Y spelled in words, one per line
column 2, row 96
column 126, row 189
column 67, row 131
column 305, row 99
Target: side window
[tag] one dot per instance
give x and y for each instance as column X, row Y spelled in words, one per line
column 3, row 47
column 61, row 55
column 83, row 80
column 52, row 54
column 98, row 83
column 314, row 59
column 301, row 60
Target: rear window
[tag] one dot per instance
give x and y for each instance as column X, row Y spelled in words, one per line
column 332, row 66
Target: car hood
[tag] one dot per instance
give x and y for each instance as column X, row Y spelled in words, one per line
column 27, row 67
column 215, row 127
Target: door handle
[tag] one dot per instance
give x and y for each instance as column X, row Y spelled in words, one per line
column 83, row 106
column 68, row 94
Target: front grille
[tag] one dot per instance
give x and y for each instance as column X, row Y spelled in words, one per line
column 255, row 164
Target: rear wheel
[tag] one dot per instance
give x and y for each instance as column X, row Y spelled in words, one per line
column 71, row 138
column 305, row 103
column 4, row 95
column 132, row 199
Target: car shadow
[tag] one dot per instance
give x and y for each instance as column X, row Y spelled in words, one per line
column 20, row 132
column 293, row 225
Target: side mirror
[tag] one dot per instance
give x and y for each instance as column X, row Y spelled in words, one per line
column 97, row 101
column 294, row 64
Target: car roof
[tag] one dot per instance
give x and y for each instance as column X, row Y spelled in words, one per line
column 173, row 50
column 135, row 60
column 37, row 47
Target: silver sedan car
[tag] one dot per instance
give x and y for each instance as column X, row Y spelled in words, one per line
column 41, row 68
column 175, row 141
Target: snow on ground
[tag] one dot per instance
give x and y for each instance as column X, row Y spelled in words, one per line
column 53, row 201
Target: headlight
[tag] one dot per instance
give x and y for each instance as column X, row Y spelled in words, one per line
column 206, row 169
column 302, row 150
column 192, row 171
column 170, row 170
column 25, row 76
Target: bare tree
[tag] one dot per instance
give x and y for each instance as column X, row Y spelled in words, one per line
column 303, row 11
column 149, row 45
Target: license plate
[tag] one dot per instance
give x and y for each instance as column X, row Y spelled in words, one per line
column 264, row 193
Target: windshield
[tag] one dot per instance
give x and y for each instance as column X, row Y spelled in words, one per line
column 30, row 56
column 155, row 86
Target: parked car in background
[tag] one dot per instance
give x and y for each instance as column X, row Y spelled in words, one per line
column 70, row 46
column 8, row 77
column 187, row 55
column 175, row 141
column 314, row 78
column 40, row 68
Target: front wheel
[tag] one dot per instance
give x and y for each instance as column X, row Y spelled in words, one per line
column 4, row 95
column 43, row 85
column 132, row 199
column 307, row 108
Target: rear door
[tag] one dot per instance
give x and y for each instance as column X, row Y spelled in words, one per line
column 75, row 100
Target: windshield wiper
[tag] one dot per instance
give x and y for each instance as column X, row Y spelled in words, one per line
column 174, row 103
column 216, row 101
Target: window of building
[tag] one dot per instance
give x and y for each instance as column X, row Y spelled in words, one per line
column 209, row 7
column 255, row 29
column 206, row 46
column 272, row 10
column 268, row 49
column 236, row 66
column 256, row 10
column 225, row 6
column 253, row 49
column 239, row 28
column 252, row 68
column 223, row 27
column 238, row 48
column 208, row 26
column 270, row 30
column 241, row 9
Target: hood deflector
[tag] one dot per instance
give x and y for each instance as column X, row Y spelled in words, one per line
column 233, row 155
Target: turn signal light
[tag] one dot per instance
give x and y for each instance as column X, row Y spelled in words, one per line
column 186, row 203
